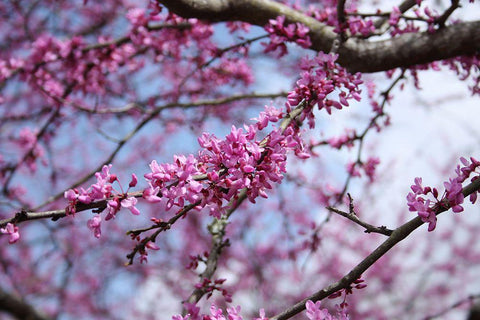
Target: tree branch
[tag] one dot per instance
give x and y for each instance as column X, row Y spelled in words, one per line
column 397, row 235
column 361, row 55
column 18, row 308
column 368, row 227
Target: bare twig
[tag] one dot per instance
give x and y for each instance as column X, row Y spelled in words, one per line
column 162, row 226
column 126, row 39
column 351, row 215
column 455, row 305
column 455, row 4
column 403, row 7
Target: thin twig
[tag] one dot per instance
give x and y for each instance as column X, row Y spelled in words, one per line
column 403, row 7
column 443, row 18
column 126, row 39
column 455, row 305
column 368, row 227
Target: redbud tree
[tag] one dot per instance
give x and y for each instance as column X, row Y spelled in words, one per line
column 239, row 159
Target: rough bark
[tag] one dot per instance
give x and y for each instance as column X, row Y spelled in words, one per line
column 364, row 55
column 18, row 308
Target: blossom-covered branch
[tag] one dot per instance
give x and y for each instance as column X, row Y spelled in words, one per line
column 355, row 54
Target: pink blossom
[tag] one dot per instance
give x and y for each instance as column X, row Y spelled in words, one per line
column 133, row 182
column 113, row 206
column 353, row 170
column 320, row 77
column 12, row 231
column 261, row 313
column 137, row 16
column 94, row 225
column 417, row 187
column 152, row 246
column 235, row 163
column 217, row 313
column 346, row 139
column 454, row 194
column 151, row 194
column 419, row 204
column 452, row 199
column 314, row 312
column 394, row 16
column 102, row 188
column 370, row 167
column 129, row 203
column 279, row 34
column 27, row 141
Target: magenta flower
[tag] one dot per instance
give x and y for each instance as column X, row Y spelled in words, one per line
column 314, row 312
column 261, row 313
column 133, row 182
column 113, row 206
column 352, row 169
column 320, row 77
column 370, row 167
column 454, row 194
column 12, row 231
column 453, row 197
column 94, row 225
column 281, row 33
column 129, row 203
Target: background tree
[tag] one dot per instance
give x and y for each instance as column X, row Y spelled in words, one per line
column 213, row 140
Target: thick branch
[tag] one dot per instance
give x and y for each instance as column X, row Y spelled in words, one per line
column 19, row 308
column 411, row 48
column 362, row 55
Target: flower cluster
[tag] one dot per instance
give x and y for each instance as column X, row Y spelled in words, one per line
column 228, row 70
column 353, row 168
column 27, row 141
column 11, row 230
column 139, row 33
column 71, row 61
column 397, row 28
column 452, row 198
column 102, row 190
column 466, row 67
column 417, row 203
column 355, row 25
column 144, row 253
column 232, row 313
column 210, row 286
column 224, row 167
column 357, row 284
column 314, row 312
column 359, row 26
column 346, row 139
column 320, row 77
column 173, row 183
column 281, row 33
